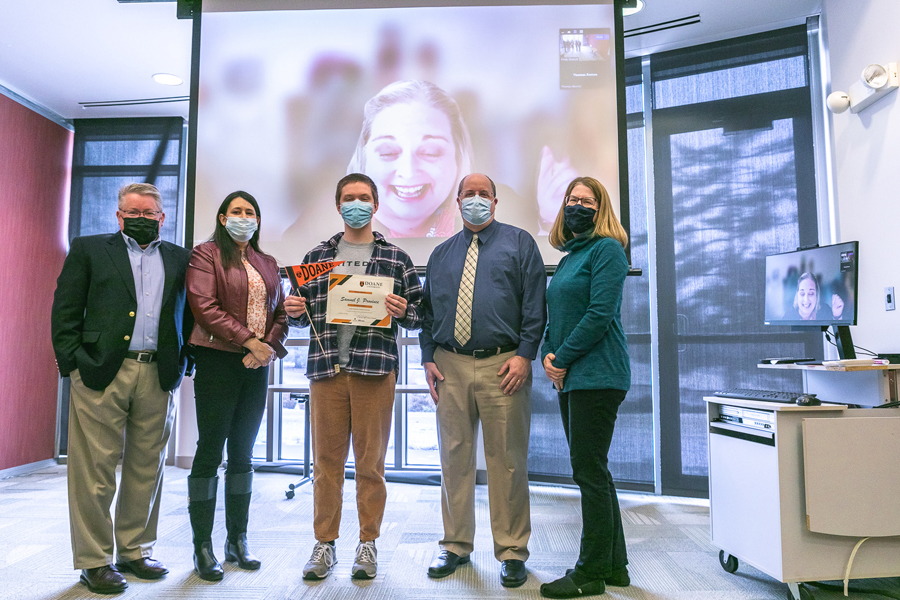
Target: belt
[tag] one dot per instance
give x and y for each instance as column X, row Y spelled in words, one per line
column 481, row 352
column 142, row 357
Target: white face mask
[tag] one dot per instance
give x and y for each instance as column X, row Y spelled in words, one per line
column 240, row 229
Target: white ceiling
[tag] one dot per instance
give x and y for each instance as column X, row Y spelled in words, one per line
column 59, row 53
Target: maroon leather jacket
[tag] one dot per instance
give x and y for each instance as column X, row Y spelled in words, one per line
column 218, row 298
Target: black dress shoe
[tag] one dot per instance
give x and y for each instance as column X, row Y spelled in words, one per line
column 104, row 580
column 445, row 564
column 206, row 564
column 143, row 568
column 237, row 552
column 513, row 573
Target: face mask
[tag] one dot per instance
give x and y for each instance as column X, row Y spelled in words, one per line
column 240, row 229
column 141, row 229
column 579, row 219
column 476, row 210
column 357, row 213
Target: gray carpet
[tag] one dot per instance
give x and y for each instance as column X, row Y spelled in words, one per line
column 668, row 545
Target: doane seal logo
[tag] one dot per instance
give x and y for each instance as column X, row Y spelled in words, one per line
column 371, row 284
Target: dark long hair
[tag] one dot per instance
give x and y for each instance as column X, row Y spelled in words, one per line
column 231, row 254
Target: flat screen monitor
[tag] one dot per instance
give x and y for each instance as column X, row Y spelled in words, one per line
column 814, row 286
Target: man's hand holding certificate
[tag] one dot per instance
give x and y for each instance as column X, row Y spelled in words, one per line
column 366, row 300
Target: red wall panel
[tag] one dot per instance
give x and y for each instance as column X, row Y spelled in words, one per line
column 35, row 167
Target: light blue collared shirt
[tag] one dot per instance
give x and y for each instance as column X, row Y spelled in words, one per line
column 149, row 279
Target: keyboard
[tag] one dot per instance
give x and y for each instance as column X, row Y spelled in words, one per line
column 763, row 395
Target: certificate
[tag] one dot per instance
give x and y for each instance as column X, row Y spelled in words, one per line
column 358, row 300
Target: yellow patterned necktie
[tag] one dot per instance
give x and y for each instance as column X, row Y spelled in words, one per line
column 462, row 329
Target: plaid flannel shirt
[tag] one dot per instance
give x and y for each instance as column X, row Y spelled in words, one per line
column 373, row 350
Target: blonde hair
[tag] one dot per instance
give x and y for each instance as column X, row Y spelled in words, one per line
column 408, row 92
column 607, row 225
column 815, row 282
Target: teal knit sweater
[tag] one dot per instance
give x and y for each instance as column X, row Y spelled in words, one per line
column 584, row 329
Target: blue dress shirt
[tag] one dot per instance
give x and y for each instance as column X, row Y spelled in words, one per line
column 508, row 301
column 149, row 279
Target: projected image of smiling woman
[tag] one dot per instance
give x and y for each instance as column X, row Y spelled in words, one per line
column 415, row 146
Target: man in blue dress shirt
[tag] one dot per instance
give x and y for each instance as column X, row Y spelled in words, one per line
column 484, row 320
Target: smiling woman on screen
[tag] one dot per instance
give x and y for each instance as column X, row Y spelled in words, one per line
column 415, row 145
column 808, row 303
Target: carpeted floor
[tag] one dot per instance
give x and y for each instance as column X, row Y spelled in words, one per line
column 668, row 545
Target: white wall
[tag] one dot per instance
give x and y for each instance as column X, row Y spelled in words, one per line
column 866, row 160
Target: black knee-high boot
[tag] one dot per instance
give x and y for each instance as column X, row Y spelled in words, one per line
column 238, row 489
column 202, row 508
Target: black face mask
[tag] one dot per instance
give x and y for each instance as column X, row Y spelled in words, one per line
column 141, row 229
column 579, row 219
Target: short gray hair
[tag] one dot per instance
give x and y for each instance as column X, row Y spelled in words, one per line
column 141, row 189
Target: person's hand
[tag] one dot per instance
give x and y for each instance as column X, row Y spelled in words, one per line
column 553, row 179
column 432, row 376
column 261, row 351
column 396, row 305
column 516, row 373
column 837, row 306
column 295, row 306
column 555, row 374
column 250, row 362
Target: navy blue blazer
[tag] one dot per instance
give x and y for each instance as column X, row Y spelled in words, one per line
column 94, row 310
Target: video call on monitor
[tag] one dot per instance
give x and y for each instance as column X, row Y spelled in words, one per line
column 415, row 97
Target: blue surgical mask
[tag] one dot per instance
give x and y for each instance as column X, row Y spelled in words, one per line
column 476, row 210
column 241, row 229
column 357, row 213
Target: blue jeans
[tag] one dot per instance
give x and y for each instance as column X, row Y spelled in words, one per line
column 589, row 417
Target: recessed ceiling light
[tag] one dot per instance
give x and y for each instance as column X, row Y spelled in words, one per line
column 627, row 12
column 169, row 79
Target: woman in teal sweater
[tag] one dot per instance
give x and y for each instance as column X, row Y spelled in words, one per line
column 586, row 356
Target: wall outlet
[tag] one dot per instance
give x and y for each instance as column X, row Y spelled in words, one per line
column 889, row 303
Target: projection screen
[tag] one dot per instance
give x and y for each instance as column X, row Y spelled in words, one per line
column 291, row 100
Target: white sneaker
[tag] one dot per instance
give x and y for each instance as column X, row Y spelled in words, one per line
column 366, row 564
column 321, row 562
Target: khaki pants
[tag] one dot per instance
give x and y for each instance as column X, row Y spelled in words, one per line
column 471, row 391
column 342, row 406
column 131, row 419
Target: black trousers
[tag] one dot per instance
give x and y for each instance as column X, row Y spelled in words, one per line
column 589, row 417
column 230, row 400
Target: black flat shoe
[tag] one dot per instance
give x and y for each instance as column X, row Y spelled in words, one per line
column 513, row 573
column 237, row 552
column 104, row 580
column 205, row 563
column 566, row 587
column 445, row 564
column 143, row 568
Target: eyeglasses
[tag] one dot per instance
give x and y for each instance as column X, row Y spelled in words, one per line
column 150, row 214
column 585, row 202
column 472, row 193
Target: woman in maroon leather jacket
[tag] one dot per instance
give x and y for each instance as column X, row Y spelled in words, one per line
column 235, row 293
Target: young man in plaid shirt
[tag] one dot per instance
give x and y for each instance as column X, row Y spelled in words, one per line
column 352, row 377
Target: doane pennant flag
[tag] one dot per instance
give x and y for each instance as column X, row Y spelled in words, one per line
column 300, row 274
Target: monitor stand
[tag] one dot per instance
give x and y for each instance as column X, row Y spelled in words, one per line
column 843, row 341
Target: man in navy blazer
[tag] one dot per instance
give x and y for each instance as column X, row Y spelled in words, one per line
column 119, row 324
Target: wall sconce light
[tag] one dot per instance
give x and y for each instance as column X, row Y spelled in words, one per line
column 875, row 82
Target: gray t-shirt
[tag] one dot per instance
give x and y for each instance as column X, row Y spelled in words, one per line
column 356, row 258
